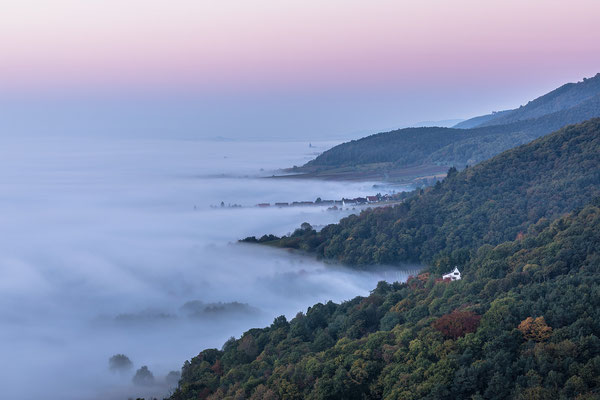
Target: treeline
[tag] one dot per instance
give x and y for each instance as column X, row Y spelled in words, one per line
column 524, row 322
column 490, row 203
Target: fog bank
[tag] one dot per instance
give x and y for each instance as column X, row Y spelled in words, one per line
column 111, row 247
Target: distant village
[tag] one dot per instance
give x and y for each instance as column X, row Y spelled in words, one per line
column 331, row 204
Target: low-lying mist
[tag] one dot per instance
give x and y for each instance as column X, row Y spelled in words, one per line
column 112, row 248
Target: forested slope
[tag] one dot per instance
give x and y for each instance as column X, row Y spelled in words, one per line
column 489, row 141
column 523, row 323
column 489, row 203
column 449, row 146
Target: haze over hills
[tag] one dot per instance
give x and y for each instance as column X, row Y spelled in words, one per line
column 406, row 154
column 476, row 121
column 522, row 226
column 486, row 204
column 567, row 96
column 140, row 140
column 523, row 322
column 446, row 123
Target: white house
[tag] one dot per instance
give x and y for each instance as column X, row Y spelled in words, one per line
column 453, row 276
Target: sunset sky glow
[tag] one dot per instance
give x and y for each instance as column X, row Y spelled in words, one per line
column 364, row 48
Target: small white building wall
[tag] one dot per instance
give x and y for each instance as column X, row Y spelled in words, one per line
column 454, row 275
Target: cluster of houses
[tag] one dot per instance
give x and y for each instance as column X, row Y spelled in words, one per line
column 334, row 203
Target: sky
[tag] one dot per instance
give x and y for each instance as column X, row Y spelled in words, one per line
column 296, row 68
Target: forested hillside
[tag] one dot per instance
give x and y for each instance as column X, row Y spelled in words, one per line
column 403, row 148
column 489, row 141
column 489, row 203
column 524, row 322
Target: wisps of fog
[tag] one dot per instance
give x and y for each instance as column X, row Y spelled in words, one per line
column 111, row 247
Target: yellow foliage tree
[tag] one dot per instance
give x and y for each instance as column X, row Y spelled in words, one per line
column 535, row 329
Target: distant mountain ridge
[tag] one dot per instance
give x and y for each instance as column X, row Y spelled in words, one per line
column 567, row 96
column 434, row 146
column 522, row 323
column 477, row 121
column 445, row 123
column 487, row 141
column 450, row 146
column 523, row 227
column 486, row 204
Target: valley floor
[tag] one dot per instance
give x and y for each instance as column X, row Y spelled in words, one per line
column 369, row 172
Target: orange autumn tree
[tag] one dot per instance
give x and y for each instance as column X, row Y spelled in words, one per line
column 535, row 329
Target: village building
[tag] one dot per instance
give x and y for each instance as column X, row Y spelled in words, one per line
column 453, row 276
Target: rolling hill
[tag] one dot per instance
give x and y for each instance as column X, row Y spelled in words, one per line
column 523, row 323
column 565, row 97
column 489, row 203
column 406, row 153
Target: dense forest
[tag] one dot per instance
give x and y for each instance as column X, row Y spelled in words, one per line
column 572, row 103
column 524, row 322
column 490, row 203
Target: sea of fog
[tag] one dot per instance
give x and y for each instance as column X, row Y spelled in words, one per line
column 114, row 246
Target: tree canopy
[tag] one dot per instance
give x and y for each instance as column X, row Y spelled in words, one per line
column 524, row 322
column 490, row 203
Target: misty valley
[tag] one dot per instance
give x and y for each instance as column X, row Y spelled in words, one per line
column 506, row 302
column 299, row 200
column 115, row 250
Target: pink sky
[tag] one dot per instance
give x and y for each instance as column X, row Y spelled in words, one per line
column 283, row 68
column 295, row 45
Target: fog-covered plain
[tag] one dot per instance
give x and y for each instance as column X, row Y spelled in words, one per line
column 111, row 246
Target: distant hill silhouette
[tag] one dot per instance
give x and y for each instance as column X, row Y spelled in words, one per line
column 476, row 121
column 565, row 97
column 410, row 147
column 522, row 323
column 486, row 204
